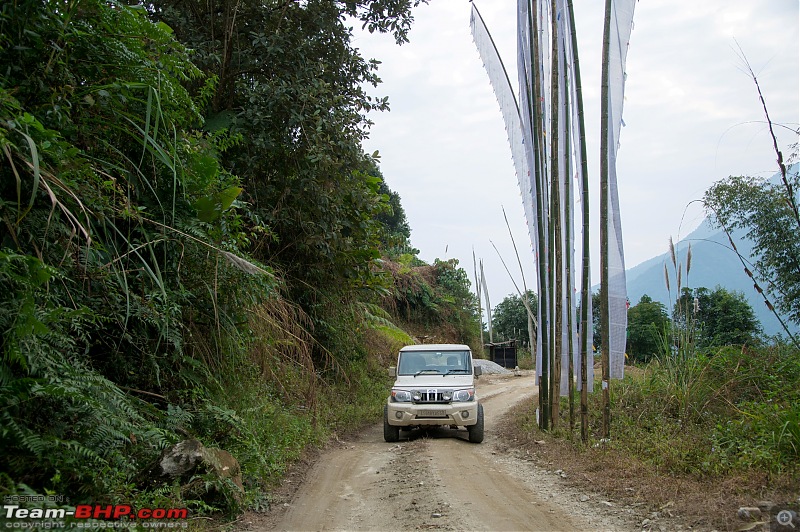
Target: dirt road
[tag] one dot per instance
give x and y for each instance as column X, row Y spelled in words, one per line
column 436, row 480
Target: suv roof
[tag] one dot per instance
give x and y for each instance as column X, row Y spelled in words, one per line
column 436, row 347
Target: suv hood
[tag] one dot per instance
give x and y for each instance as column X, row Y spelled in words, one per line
column 431, row 380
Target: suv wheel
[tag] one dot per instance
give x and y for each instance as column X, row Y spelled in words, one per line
column 391, row 433
column 476, row 430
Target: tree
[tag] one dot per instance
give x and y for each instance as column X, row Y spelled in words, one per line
column 459, row 303
column 139, row 178
column 395, row 234
column 647, row 322
column 767, row 213
column 719, row 317
column 290, row 80
column 510, row 318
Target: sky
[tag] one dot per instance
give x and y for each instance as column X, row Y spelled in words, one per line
column 692, row 117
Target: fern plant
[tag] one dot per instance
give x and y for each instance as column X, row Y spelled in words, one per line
column 103, row 162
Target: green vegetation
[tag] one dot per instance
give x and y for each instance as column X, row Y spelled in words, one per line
column 195, row 245
column 703, row 434
column 705, row 397
column 647, row 321
column 733, row 410
column 768, row 214
column 510, row 319
column 721, row 413
column 714, row 319
column 434, row 297
column 510, row 322
column 719, row 318
column 713, row 399
column 192, row 243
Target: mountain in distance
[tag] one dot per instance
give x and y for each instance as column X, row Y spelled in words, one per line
column 714, row 263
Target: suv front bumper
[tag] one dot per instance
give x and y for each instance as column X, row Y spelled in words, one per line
column 411, row 414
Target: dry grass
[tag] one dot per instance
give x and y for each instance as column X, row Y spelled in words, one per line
column 444, row 333
column 381, row 348
column 283, row 351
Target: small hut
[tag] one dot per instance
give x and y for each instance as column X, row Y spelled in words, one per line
column 503, row 353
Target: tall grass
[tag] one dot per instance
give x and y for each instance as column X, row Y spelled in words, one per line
column 734, row 410
column 714, row 412
column 678, row 369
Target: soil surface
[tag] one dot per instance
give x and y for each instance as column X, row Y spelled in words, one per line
column 438, row 480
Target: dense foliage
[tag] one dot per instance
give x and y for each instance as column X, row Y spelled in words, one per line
column 734, row 411
column 102, row 176
column 191, row 240
column 705, row 319
column 718, row 317
column 510, row 318
column 648, row 322
column 292, row 84
column 437, row 297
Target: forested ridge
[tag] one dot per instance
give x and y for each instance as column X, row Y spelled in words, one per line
column 194, row 244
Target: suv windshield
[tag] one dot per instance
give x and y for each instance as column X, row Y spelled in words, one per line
column 444, row 362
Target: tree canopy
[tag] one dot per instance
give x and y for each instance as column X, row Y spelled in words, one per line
column 766, row 211
column 510, row 319
column 719, row 317
column 648, row 322
column 290, row 81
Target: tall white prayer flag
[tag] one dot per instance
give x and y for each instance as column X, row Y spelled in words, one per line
column 621, row 26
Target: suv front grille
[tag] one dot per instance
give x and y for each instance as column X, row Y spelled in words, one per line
column 429, row 396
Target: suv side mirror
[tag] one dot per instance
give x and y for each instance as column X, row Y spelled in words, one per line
column 392, row 371
column 478, row 371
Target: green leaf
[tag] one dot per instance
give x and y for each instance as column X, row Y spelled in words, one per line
column 164, row 27
column 205, row 167
column 210, row 208
column 206, row 209
column 221, row 120
column 227, row 196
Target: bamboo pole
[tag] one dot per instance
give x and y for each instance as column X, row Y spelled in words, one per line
column 525, row 304
column 535, row 109
column 604, row 205
column 557, row 281
column 488, row 303
column 478, row 290
column 568, row 258
column 586, row 252
column 531, row 319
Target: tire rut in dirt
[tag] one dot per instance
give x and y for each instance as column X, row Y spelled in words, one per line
column 413, row 491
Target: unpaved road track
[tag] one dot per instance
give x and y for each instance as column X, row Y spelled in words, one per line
column 436, row 480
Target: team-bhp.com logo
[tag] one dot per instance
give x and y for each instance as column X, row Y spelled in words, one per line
column 87, row 516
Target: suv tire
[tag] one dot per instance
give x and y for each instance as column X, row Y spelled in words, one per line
column 392, row 434
column 476, row 430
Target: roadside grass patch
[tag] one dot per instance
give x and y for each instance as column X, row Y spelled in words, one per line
column 709, row 434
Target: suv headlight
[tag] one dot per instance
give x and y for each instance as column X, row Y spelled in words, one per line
column 401, row 396
column 462, row 396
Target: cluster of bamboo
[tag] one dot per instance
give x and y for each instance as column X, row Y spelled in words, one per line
column 546, row 132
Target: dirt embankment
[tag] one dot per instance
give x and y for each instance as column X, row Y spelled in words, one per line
column 438, row 480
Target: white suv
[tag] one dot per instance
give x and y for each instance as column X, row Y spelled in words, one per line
column 434, row 386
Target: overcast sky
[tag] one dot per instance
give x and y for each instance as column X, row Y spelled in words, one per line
column 692, row 117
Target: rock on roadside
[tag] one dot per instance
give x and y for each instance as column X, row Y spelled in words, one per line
column 189, row 457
